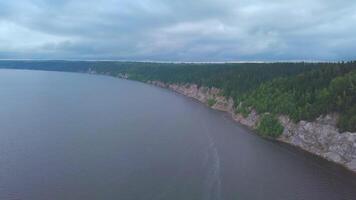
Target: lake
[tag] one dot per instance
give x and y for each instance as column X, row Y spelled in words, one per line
column 82, row 137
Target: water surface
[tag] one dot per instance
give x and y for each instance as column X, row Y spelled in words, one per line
column 82, row 137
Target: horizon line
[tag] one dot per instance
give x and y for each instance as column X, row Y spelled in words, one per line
column 182, row 62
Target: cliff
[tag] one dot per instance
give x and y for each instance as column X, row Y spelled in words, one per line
column 320, row 137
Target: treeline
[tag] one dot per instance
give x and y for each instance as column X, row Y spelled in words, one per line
column 309, row 95
column 234, row 79
column 302, row 91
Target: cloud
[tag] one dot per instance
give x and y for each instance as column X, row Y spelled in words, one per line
column 182, row 30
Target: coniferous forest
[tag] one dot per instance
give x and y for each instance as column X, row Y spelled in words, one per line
column 303, row 91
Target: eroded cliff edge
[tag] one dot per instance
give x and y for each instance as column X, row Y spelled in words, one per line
column 320, row 137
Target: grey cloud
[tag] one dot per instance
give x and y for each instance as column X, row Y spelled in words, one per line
column 186, row 30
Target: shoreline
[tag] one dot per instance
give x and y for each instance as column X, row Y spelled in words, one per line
column 320, row 137
column 341, row 147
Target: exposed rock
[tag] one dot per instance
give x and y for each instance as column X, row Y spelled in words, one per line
column 124, row 76
column 157, row 83
column 251, row 120
column 224, row 105
column 320, row 137
column 351, row 165
column 91, row 71
column 333, row 157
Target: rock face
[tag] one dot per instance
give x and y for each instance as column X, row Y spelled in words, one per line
column 320, row 137
column 202, row 94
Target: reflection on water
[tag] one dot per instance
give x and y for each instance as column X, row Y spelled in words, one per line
column 77, row 136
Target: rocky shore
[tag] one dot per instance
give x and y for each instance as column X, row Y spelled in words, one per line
column 320, row 137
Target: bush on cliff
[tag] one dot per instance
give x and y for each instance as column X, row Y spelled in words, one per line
column 269, row 126
column 243, row 110
column 211, row 102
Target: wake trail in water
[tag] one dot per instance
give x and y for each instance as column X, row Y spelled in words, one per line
column 212, row 187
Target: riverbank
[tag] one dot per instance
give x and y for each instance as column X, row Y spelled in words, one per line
column 124, row 134
column 320, row 137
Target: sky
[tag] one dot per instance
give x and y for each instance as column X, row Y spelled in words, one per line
column 178, row 30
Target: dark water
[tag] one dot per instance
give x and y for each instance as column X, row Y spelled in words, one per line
column 72, row 136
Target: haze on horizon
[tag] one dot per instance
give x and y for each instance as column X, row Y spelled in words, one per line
column 178, row 30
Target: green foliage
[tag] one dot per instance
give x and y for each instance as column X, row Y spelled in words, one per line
column 242, row 109
column 235, row 80
column 310, row 94
column 269, row 126
column 303, row 91
column 347, row 121
column 343, row 97
column 211, row 102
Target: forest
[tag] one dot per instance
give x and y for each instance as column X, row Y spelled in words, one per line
column 300, row 90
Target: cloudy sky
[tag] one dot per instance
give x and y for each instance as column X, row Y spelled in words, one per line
column 178, row 30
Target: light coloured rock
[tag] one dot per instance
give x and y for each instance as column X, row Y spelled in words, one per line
column 250, row 121
column 333, row 157
column 320, row 137
column 123, row 76
column 351, row 165
column 223, row 105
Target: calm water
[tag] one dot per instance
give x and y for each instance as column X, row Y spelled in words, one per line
column 73, row 136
